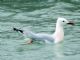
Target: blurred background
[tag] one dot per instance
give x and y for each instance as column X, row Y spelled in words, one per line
column 38, row 16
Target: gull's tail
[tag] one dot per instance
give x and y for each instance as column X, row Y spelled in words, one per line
column 18, row 30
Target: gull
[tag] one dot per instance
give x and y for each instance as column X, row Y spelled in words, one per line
column 56, row 37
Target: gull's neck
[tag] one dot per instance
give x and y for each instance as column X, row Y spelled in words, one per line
column 59, row 33
column 59, row 28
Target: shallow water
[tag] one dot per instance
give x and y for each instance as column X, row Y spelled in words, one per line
column 38, row 16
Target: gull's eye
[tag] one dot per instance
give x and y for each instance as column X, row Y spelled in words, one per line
column 63, row 21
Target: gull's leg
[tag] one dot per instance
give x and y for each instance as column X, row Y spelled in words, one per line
column 29, row 41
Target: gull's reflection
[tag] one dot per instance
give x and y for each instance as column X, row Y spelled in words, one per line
column 58, row 52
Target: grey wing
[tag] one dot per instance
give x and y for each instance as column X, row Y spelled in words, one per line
column 43, row 37
column 39, row 36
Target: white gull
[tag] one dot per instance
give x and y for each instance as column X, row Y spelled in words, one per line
column 56, row 37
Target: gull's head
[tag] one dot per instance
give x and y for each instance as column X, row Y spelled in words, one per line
column 63, row 21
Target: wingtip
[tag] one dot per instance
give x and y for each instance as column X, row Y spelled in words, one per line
column 14, row 29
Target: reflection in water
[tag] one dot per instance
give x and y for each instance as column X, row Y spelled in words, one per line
column 58, row 51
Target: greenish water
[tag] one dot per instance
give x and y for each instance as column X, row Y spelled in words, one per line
column 38, row 16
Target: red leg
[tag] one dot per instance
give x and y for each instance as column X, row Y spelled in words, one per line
column 29, row 41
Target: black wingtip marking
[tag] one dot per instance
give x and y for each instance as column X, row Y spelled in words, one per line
column 15, row 29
